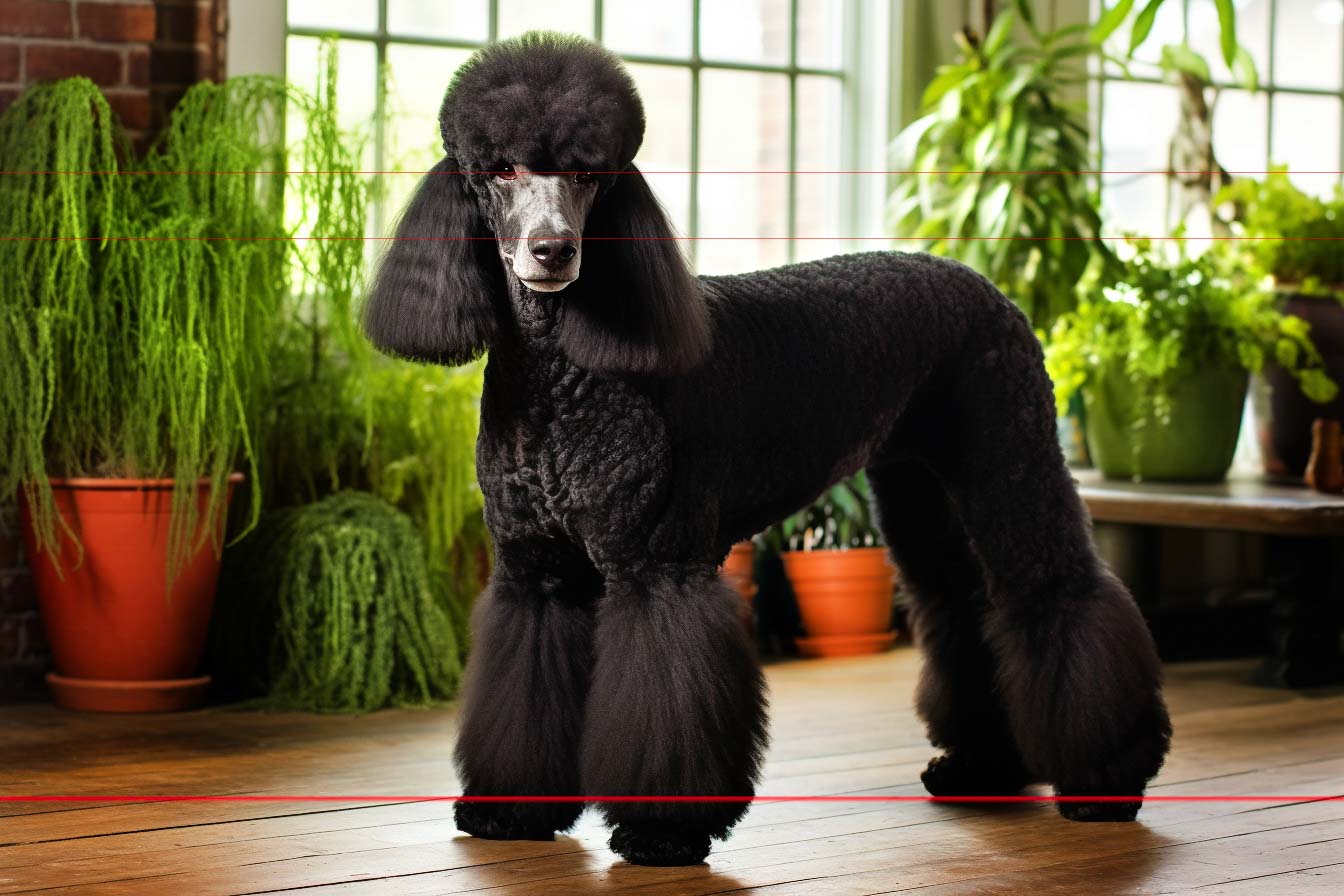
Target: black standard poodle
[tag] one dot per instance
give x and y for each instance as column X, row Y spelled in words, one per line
column 638, row 420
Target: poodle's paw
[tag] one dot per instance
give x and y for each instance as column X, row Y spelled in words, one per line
column 957, row 773
column 1109, row 810
column 659, row 844
column 514, row 821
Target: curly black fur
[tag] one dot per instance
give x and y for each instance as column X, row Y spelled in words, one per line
column 636, row 425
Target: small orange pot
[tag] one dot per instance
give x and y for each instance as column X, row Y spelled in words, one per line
column 122, row 641
column 845, row 599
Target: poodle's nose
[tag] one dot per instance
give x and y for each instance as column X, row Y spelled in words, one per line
column 553, row 253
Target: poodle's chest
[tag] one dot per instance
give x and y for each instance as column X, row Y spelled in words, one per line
column 573, row 455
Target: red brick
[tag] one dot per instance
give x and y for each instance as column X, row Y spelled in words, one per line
column 99, row 65
column 131, row 108
column 185, row 25
column 115, row 21
column 9, row 69
column 178, row 65
column 35, row 18
column 137, row 67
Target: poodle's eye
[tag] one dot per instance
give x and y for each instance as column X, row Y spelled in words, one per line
column 506, row 172
column 584, row 177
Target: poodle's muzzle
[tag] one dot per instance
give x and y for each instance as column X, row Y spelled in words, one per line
column 538, row 221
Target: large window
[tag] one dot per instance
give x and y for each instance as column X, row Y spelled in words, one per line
column 1293, row 120
column 740, row 96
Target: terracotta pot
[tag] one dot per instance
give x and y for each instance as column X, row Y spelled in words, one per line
column 1284, row 415
column 738, row 570
column 123, row 641
column 844, row 597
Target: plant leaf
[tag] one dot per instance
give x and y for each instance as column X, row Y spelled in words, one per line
column 998, row 33
column 1110, row 20
column 1227, row 30
column 1180, row 58
column 1143, row 25
column 1244, row 70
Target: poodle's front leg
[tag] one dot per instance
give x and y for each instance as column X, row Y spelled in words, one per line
column 676, row 708
column 522, row 711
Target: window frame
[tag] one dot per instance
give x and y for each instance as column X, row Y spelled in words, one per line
column 1267, row 87
column 857, row 57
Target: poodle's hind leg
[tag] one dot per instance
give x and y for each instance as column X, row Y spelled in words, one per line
column 676, row 708
column 1077, row 668
column 522, row 711
column 957, row 696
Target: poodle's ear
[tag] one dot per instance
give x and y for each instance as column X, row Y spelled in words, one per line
column 636, row 307
column 438, row 289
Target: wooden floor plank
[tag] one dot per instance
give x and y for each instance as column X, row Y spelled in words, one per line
column 839, row 727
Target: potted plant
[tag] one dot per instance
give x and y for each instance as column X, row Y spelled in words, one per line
column 840, row 573
column 139, row 314
column 1292, row 242
column 1161, row 360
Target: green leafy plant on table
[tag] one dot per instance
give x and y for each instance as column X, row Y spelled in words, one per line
column 1161, row 360
column 1291, row 241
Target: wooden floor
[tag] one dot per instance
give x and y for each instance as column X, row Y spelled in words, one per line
column 840, row 727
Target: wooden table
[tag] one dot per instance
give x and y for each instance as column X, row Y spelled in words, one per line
column 1304, row 551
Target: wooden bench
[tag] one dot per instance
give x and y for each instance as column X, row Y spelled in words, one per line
column 1304, row 533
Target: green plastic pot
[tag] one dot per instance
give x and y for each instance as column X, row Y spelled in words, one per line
column 1195, row 445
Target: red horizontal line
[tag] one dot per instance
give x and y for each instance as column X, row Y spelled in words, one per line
column 457, row 239
column 1163, row 172
column 839, row 798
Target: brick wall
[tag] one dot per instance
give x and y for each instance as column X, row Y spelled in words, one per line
column 143, row 54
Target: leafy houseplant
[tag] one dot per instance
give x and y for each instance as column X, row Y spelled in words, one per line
column 1162, row 360
column 997, row 168
column 141, row 312
column 1292, row 240
column 839, row 571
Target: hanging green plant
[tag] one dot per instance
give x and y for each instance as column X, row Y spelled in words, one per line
column 343, row 594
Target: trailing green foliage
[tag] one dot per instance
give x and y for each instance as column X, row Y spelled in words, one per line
column 998, row 167
column 141, row 335
column 332, row 608
column 1170, row 317
column 840, row 518
column 1291, row 236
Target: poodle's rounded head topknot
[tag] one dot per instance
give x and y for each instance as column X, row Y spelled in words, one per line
column 552, row 102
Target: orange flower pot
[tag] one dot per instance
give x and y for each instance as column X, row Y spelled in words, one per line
column 845, row 599
column 123, row 641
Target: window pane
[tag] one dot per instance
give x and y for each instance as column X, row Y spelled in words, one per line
column 665, row 155
column 820, row 105
column 1239, row 123
column 1252, row 33
column 744, row 126
column 745, row 31
column 348, row 15
column 569, row 16
column 1131, row 201
column 417, row 78
column 451, row 19
column 1306, row 138
column 820, row 33
column 1307, row 44
column 648, row 29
